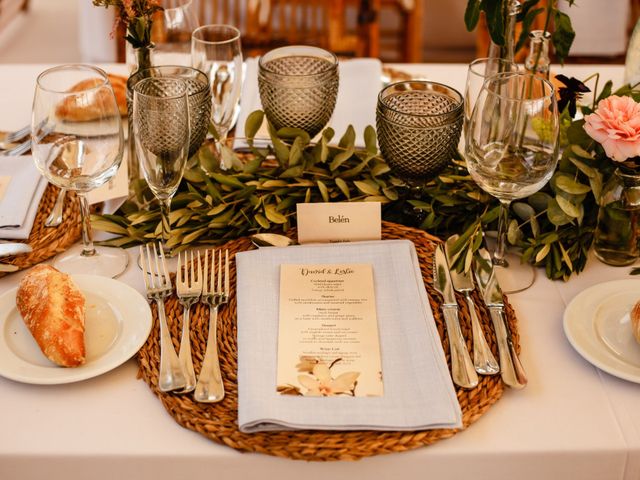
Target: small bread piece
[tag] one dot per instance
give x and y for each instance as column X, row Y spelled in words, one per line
column 68, row 110
column 52, row 308
column 635, row 321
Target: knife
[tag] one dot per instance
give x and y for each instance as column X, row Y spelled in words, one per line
column 511, row 369
column 7, row 249
column 462, row 369
column 8, row 268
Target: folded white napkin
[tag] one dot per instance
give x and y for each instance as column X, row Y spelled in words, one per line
column 360, row 83
column 418, row 391
column 19, row 205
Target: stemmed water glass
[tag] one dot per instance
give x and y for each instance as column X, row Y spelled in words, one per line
column 161, row 132
column 77, row 145
column 216, row 50
column 512, row 144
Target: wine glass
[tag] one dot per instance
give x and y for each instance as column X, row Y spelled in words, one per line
column 216, row 50
column 512, row 145
column 477, row 72
column 77, row 144
column 161, row 133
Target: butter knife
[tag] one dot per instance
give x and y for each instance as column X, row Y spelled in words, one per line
column 7, row 249
column 462, row 369
column 511, row 369
column 483, row 360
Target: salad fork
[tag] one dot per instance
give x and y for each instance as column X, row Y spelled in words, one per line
column 158, row 285
column 210, row 387
column 189, row 289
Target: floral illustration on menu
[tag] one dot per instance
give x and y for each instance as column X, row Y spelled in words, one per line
column 317, row 380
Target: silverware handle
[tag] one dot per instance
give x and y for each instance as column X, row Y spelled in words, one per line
column 55, row 217
column 512, row 371
column 186, row 361
column 462, row 369
column 170, row 376
column 483, row 359
column 210, row 388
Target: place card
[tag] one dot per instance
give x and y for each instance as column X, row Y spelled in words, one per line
column 338, row 222
column 328, row 340
column 117, row 187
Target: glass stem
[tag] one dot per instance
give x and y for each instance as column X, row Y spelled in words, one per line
column 165, row 208
column 501, row 244
column 87, row 238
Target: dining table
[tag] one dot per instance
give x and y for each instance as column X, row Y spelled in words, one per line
column 573, row 420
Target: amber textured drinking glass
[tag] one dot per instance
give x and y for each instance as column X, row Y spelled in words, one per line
column 418, row 125
column 298, row 87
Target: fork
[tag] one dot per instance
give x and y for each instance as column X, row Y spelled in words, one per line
column 188, row 288
column 13, row 137
column 158, row 285
column 210, row 387
column 17, row 150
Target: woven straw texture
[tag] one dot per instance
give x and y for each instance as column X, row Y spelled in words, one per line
column 45, row 241
column 218, row 421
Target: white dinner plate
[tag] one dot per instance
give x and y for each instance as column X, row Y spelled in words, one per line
column 598, row 326
column 117, row 323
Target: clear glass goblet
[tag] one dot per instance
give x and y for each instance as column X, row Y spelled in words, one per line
column 161, row 133
column 216, row 50
column 78, row 143
column 512, row 144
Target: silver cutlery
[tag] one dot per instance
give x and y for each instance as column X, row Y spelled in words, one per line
column 511, row 370
column 8, row 249
column 55, row 217
column 158, row 285
column 17, row 150
column 210, row 387
column 483, row 360
column 462, row 369
column 15, row 136
column 189, row 289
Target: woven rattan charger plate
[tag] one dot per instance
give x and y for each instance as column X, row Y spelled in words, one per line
column 49, row 241
column 219, row 421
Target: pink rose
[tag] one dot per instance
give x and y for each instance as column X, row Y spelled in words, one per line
column 616, row 126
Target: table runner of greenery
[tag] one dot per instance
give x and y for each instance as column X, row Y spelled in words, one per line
column 259, row 191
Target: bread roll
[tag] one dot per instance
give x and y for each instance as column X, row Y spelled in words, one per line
column 52, row 307
column 68, row 110
column 635, row 321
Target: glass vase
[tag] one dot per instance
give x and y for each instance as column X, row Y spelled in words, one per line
column 507, row 51
column 617, row 232
column 537, row 61
column 142, row 59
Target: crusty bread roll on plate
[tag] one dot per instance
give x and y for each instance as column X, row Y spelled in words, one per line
column 68, row 110
column 53, row 309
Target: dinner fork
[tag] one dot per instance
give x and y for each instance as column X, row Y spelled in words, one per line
column 209, row 387
column 188, row 288
column 158, row 285
column 13, row 137
column 17, row 150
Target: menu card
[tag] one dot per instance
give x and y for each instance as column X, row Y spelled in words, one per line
column 328, row 332
column 417, row 392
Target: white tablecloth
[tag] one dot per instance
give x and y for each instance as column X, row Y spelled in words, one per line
column 571, row 421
